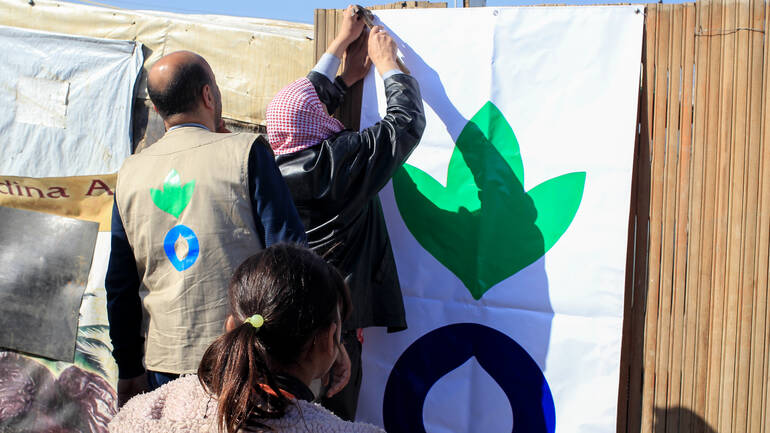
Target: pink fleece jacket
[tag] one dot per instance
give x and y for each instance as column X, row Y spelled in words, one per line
column 183, row 405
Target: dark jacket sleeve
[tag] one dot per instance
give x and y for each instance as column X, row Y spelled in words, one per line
column 363, row 162
column 124, row 307
column 330, row 93
column 275, row 216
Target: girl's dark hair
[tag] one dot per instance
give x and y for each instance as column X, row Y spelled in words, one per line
column 298, row 294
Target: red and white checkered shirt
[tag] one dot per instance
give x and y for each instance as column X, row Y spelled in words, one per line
column 296, row 119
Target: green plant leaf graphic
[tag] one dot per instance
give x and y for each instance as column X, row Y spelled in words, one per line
column 483, row 226
column 557, row 201
column 174, row 197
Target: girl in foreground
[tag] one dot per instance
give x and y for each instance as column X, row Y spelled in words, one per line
column 287, row 306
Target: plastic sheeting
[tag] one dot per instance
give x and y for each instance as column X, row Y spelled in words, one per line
column 45, row 268
column 68, row 103
column 252, row 58
column 78, row 396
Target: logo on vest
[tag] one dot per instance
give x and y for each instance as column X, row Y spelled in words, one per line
column 173, row 199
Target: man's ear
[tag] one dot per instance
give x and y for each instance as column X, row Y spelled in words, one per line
column 230, row 323
column 208, row 97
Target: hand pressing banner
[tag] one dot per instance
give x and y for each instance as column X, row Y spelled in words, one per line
column 509, row 221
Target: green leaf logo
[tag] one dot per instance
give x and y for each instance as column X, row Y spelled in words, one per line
column 174, row 197
column 483, row 226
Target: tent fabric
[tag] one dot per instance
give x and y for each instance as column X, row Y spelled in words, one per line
column 69, row 102
column 252, row 58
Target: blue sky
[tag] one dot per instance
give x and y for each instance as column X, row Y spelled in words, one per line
column 292, row 10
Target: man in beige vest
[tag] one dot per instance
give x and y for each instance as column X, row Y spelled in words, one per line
column 188, row 210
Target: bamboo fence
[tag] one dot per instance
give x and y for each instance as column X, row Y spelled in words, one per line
column 696, row 332
column 696, row 322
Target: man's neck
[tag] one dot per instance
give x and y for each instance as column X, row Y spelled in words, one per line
column 184, row 125
column 183, row 118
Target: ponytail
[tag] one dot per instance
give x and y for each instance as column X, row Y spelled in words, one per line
column 234, row 368
column 297, row 295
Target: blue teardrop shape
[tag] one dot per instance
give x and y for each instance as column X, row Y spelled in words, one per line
column 193, row 248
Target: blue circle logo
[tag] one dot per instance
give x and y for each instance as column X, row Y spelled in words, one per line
column 193, row 248
column 444, row 349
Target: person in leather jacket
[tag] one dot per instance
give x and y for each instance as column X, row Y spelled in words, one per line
column 335, row 174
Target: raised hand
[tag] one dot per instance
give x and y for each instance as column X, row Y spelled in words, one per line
column 350, row 30
column 382, row 50
column 357, row 61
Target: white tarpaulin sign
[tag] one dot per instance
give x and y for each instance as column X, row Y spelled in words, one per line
column 509, row 221
column 67, row 103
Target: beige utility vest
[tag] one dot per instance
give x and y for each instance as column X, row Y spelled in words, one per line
column 185, row 206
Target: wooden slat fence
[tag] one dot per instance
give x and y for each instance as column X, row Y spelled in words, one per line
column 327, row 22
column 696, row 340
column 696, row 337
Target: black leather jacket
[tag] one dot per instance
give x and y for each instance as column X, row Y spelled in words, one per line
column 334, row 185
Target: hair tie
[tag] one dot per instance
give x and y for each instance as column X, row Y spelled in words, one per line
column 256, row 321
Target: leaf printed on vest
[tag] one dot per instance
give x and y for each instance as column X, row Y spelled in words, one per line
column 483, row 226
column 174, row 197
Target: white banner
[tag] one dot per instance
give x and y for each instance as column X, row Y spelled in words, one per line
column 67, row 103
column 509, row 222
